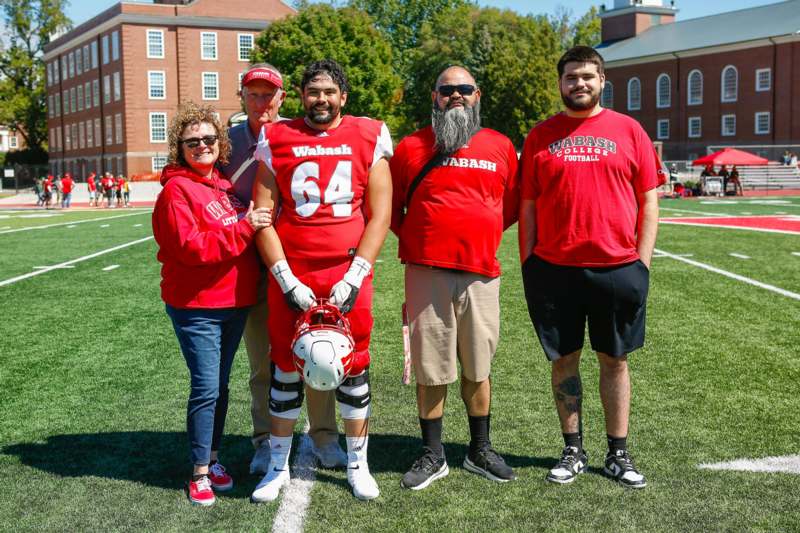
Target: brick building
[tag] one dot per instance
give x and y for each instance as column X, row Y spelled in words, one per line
column 10, row 140
column 726, row 79
column 115, row 81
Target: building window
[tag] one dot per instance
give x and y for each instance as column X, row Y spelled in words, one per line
column 728, row 125
column 64, row 73
column 74, row 128
column 87, row 92
column 71, row 63
column 67, row 138
column 50, row 106
column 158, row 127
column 210, row 86
column 106, row 89
column 80, row 97
column 12, row 141
column 55, row 71
column 208, row 45
column 73, row 100
column 118, row 127
column 662, row 129
column 634, row 94
column 245, row 46
column 94, row 54
column 86, row 60
column 115, row 46
column 763, row 79
column 762, row 122
column 109, row 130
column 49, row 74
column 81, row 135
column 156, row 84
column 158, row 162
column 57, row 100
column 78, row 62
column 155, row 44
column 89, row 135
column 694, row 92
column 104, row 41
column 96, row 92
column 97, row 134
column 663, row 97
column 606, row 98
column 65, row 94
column 730, row 84
column 117, row 88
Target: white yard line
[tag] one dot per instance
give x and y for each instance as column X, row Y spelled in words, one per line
column 72, row 261
column 737, row 277
column 110, row 267
column 725, row 226
column 694, row 212
column 739, row 256
column 51, row 267
column 99, row 219
column 296, row 497
column 789, row 464
column 796, row 253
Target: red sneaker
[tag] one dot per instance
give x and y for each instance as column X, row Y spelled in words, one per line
column 201, row 493
column 220, row 479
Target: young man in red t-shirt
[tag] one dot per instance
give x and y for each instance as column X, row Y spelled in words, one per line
column 587, row 229
column 92, row 186
column 67, row 184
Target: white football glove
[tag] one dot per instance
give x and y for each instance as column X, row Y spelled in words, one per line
column 344, row 293
column 298, row 296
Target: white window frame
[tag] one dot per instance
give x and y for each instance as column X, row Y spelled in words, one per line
column 96, row 92
column 78, row 61
column 87, row 95
column 758, row 115
column 663, row 101
column 118, row 128
column 735, row 96
column 79, row 91
column 153, row 32
column 239, row 37
column 65, row 97
column 71, row 62
column 156, row 160
column 203, row 55
column 94, row 54
column 117, row 87
column 89, row 134
column 114, row 45
column 98, row 133
column 722, row 131
column 12, row 141
column 631, row 106
column 73, row 100
column 759, row 87
column 57, row 101
column 607, row 96
column 205, row 86
column 150, row 122
column 106, row 89
column 64, row 70
column 87, row 64
column 81, row 135
column 104, row 45
column 109, row 125
column 56, row 78
column 659, row 123
column 689, row 100
column 151, row 85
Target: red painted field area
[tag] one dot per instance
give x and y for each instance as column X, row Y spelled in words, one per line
column 771, row 224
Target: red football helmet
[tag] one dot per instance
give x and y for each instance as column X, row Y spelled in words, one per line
column 322, row 348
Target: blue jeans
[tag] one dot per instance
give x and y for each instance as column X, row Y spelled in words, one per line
column 209, row 339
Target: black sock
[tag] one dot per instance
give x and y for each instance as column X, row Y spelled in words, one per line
column 432, row 434
column 573, row 439
column 617, row 443
column 478, row 432
column 198, row 477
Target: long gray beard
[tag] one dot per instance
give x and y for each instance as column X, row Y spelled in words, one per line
column 453, row 128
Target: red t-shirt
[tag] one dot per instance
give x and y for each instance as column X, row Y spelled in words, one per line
column 322, row 179
column 90, row 182
column 66, row 185
column 584, row 176
column 461, row 207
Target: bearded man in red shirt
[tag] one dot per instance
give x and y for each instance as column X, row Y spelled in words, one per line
column 587, row 229
column 450, row 225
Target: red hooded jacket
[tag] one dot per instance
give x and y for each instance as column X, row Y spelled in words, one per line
column 205, row 248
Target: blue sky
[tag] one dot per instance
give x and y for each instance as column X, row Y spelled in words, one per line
column 82, row 10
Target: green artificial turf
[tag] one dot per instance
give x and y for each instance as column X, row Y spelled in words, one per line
column 93, row 391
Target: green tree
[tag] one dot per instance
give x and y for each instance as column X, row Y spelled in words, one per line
column 346, row 35
column 512, row 57
column 28, row 25
column 586, row 30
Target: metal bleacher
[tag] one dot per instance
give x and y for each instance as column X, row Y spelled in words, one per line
column 773, row 176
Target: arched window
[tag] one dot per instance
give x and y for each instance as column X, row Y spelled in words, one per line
column 694, row 91
column 607, row 98
column 730, row 84
column 634, row 94
column 663, row 91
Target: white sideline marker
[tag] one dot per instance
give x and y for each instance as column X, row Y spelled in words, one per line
column 104, row 225
column 296, row 497
column 72, row 262
column 137, row 225
column 71, row 226
column 737, row 277
column 739, row 256
column 796, row 253
column 110, row 267
column 53, row 267
column 789, row 464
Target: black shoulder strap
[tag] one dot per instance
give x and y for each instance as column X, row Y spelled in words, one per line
column 437, row 158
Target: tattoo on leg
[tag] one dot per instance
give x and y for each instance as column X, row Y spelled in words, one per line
column 570, row 394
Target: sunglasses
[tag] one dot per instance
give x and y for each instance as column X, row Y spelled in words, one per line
column 194, row 142
column 463, row 90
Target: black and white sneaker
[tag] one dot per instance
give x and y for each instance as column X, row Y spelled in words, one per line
column 619, row 466
column 488, row 463
column 573, row 462
column 426, row 469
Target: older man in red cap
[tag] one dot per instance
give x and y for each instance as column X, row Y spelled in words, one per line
column 262, row 96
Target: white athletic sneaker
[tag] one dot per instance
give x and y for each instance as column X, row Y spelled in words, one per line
column 330, row 455
column 260, row 462
column 268, row 488
column 364, row 485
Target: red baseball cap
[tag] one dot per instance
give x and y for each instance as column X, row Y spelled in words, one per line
column 262, row 73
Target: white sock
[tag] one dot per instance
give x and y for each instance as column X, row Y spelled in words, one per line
column 279, row 451
column 356, row 450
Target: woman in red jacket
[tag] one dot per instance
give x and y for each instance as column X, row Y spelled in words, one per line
column 208, row 279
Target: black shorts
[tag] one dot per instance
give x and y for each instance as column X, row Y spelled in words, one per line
column 561, row 298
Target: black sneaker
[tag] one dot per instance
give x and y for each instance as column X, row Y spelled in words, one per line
column 487, row 463
column 573, row 462
column 619, row 466
column 426, row 469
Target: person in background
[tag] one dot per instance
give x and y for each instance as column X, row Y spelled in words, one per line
column 67, row 184
column 92, row 187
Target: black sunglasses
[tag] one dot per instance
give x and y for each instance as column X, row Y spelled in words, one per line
column 463, row 89
column 194, row 142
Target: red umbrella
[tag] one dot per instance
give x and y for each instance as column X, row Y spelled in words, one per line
column 731, row 156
